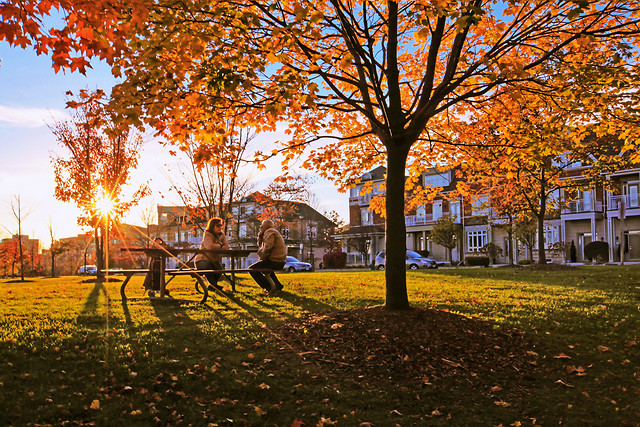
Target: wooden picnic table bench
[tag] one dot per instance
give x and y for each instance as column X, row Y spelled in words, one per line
column 201, row 284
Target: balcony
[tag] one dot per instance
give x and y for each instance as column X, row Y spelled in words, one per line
column 361, row 200
column 580, row 206
column 630, row 201
column 413, row 220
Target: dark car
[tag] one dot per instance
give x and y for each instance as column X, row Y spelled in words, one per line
column 293, row 264
column 414, row 261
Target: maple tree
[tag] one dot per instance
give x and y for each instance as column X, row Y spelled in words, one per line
column 447, row 233
column 532, row 141
column 378, row 79
column 99, row 156
column 9, row 255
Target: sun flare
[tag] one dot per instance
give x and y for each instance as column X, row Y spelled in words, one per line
column 105, row 205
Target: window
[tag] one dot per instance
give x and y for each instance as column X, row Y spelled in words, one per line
column 476, row 240
column 585, row 200
column 436, row 180
column 480, row 206
column 242, row 231
column 551, row 235
column 454, row 210
column 366, row 216
column 285, row 232
column 437, row 210
column 311, row 232
column 631, row 190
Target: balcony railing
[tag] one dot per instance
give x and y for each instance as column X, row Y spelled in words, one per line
column 412, row 220
column 578, row 206
column 629, row 201
column 361, row 200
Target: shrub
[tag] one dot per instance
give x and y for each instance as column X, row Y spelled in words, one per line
column 477, row 260
column 492, row 250
column 340, row 259
column 524, row 262
column 597, row 250
column 573, row 253
column 334, row 260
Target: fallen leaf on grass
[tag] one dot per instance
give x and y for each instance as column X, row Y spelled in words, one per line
column 562, row 356
column 264, row 386
column 502, row 403
column 95, row 404
column 337, row 325
column 603, row 348
column 571, row 369
column 454, row 364
column 564, row 384
column 496, row 388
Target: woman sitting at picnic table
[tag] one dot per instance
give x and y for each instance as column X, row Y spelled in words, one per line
column 213, row 238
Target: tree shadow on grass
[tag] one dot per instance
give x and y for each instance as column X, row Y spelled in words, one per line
column 269, row 307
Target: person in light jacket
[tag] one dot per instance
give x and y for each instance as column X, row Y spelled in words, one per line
column 273, row 254
column 213, row 238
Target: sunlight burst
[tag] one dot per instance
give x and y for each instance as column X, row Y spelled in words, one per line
column 104, row 204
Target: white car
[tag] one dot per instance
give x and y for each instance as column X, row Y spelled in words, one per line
column 293, row 264
column 88, row 270
column 414, row 261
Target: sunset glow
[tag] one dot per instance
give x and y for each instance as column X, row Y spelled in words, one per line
column 105, row 205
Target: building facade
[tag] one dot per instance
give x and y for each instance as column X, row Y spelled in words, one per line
column 304, row 229
column 608, row 212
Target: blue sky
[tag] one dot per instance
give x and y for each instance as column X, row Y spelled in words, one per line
column 32, row 95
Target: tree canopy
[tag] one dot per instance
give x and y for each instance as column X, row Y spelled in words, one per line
column 376, row 80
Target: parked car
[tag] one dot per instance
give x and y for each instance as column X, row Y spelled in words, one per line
column 88, row 270
column 293, row 264
column 414, row 261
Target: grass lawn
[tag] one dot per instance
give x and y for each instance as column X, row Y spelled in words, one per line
column 73, row 353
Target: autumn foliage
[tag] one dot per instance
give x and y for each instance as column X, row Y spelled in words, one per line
column 359, row 83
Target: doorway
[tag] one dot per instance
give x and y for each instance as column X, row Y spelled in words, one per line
column 583, row 240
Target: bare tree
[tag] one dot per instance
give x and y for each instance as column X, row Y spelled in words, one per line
column 20, row 214
column 211, row 182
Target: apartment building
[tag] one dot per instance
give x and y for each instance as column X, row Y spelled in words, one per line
column 602, row 212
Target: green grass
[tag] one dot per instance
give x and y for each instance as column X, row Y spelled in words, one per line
column 73, row 352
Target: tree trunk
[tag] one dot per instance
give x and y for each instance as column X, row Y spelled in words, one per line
column 541, row 253
column 510, row 244
column 99, row 258
column 396, row 243
column 53, row 264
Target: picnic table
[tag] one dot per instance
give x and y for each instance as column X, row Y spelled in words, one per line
column 184, row 269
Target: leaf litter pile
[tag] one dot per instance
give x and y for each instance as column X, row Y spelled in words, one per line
column 416, row 345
